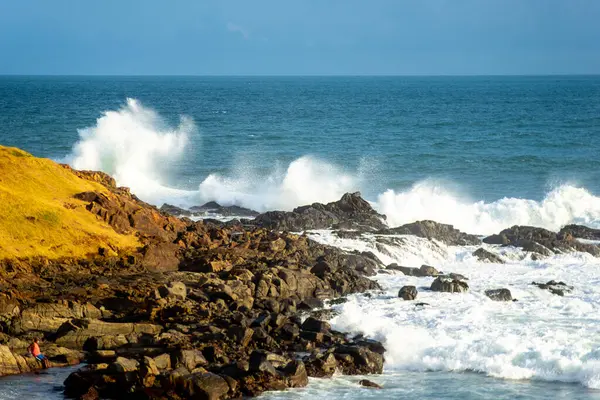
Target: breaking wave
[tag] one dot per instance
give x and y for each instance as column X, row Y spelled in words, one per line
column 135, row 145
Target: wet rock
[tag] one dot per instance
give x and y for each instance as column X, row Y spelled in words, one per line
column 447, row 284
column 369, row 384
column 434, row 230
column 484, row 255
column 557, row 288
column 295, row 371
column 350, row 212
column 424, row 270
column 579, row 232
column 541, row 241
column 357, row 360
column 322, row 366
column 174, row 210
column 408, row 292
column 499, row 294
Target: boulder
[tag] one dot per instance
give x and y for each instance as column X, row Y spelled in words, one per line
column 204, row 385
column 484, row 255
column 369, row 384
column 314, row 325
column 499, row 294
column 295, row 373
column 322, row 366
column 173, row 290
column 190, row 359
column 580, row 232
column 447, row 284
column 408, row 292
column 358, row 360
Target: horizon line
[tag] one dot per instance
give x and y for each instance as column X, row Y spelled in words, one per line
column 302, row 75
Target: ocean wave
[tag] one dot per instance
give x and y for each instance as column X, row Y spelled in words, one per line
column 134, row 145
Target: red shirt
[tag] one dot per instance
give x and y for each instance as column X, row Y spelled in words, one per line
column 35, row 349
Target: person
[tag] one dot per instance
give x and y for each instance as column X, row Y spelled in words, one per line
column 35, row 351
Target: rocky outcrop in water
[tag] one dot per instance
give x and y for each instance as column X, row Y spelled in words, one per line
column 434, row 230
column 408, row 292
column 557, row 288
column 351, row 212
column 580, row 232
column 449, row 284
column 485, row 255
column 424, row 270
column 499, row 294
column 541, row 241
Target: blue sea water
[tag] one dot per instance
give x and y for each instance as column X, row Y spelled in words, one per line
column 482, row 153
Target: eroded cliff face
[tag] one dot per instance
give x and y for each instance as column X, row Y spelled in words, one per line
column 168, row 307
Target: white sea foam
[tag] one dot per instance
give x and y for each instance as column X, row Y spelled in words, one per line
column 134, row 144
column 542, row 336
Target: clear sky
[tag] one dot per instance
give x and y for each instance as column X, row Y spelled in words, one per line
column 299, row 37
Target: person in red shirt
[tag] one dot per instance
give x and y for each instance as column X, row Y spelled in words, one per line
column 35, row 351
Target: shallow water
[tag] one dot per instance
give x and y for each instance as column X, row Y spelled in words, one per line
column 47, row 385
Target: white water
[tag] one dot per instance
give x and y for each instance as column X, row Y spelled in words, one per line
column 540, row 337
column 134, row 145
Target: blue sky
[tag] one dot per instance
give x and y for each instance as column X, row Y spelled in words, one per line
column 300, row 37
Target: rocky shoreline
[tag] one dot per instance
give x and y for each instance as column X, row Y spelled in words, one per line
column 213, row 310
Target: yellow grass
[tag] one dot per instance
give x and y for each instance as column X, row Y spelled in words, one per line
column 40, row 217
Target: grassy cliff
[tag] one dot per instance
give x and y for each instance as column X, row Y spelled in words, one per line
column 40, row 217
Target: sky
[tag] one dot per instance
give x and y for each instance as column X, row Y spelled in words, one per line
column 299, row 37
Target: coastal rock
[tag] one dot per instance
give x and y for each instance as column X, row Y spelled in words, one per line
column 351, row 212
column 579, row 232
column 499, row 294
column 448, row 284
column 557, row 288
column 485, row 255
column 358, row 360
column 369, row 384
column 408, row 292
column 424, row 270
column 314, row 325
column 541, row 241
column 215, row 208
column 434, row 230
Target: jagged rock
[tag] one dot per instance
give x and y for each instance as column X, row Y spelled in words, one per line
column 558, row 288
column 123, row 365
column 322, row 366
column 484, row 255
column 499, row 294
column 447, row 284
column 369, row 384
column 295, row 372
column 542, row 241
column 579, row 232
column 424, row 270
column 350, row 212
column 358, row 360
column 204, row 385
column 434, row 230
column 174, row 290
column 314, row 325
column 190, row 359
column 408, row 292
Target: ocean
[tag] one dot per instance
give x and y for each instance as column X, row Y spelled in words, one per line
column 481, row 153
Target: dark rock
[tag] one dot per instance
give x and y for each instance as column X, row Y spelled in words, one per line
column 541, row 241
column 434, row 230
column 580, row 232
column 408, row 292
column 484, row 255
column 369, row 384
column 499, row 294
column 446, row 284
column 350, row 212
column 204, row 385
column 323, row 366
column 216, row 208
column 295, row 372
column 314, row 325
column 558, row 288
column 424, row 270
column 357, row 360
